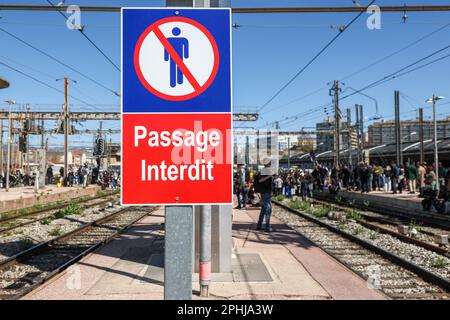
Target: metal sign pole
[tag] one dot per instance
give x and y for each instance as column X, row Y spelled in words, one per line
column 178, row 253
column 211, row 28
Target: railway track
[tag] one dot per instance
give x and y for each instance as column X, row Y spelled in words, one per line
column 12, row 222
column 432, row 222
column 424, row 236
column 397, row 277
column 28, row 269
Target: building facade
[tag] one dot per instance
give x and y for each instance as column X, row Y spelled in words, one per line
column 325, row 136
column 383, row 132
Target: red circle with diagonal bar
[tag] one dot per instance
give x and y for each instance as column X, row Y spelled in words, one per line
column 198, row 89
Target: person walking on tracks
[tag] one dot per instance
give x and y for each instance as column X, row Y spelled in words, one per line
column 264, row 186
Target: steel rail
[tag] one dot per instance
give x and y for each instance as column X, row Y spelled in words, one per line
column 84, row 207
column 405, row 238
column 48, row 246
column 430, row 221
column 381, row 229
column 421, row 272
column 64, row 204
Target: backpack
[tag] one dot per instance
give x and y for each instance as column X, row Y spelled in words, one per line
column 259, row 187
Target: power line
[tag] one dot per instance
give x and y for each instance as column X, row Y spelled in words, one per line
column 48, row 76
column 369, row 65
column 296, row 99
column 45, row 84
column 395, row 52
column 87, row 38
column 305, row 113
column 341, row 31
column 57, row 60
column 398, row 73
column 415, row 69
column 29, row 67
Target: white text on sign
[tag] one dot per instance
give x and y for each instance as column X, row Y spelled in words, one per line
column 180, row 140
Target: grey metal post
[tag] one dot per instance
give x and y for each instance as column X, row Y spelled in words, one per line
column 421, row 134
column 178, row 236
column 42, row 133
column 247, row 151
column 178, row 253
column 220, row 226
column 66, row 126
column 358, row 131
column 205, row 250
column 289, row 152
column 436, row 155
column 337, row 124
column 349, row 128
column 257, row 149
column 398, row 138
column 1, row 147
column 8, row 160
column 361, row 128
column 221, row 238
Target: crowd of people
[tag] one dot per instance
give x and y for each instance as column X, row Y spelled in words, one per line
column 82, row 175
column 416, row 178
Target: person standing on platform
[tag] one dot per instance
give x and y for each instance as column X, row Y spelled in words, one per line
column 242, row 190
column 395, row 173
column 364, row 177
column 84, row 173
column 442, row 174
column 387, row 178
column 49, row 175
column 377, row 172
column 422, row 171
column 265, row 187
column 411, row 175
column 278, row 186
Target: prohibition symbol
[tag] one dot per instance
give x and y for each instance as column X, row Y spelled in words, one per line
column 176, row 58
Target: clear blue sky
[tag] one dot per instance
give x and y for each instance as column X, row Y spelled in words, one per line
column 268, row 49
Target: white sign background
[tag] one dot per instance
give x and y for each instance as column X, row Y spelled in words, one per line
column 156, row 70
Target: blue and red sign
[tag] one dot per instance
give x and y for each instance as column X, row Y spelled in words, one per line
column 176, row 106
column 190, row 60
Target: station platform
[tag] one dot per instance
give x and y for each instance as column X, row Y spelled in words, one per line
column 405, row 203
column 22, row 197
column 279, row 265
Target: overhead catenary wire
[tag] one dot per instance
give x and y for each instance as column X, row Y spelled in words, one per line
column 415, row 69
column 310, row 62
column 87, row 38
column 372, row 64
column 58, row 61
column 395, row 52
column 311, row 111
column 396, row 74
column 52, row 77
column 45, row 84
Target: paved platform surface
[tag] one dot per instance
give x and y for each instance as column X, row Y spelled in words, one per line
column 279, row 265
column 20, row 197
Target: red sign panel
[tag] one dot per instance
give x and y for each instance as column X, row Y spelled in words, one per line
column 176, row 159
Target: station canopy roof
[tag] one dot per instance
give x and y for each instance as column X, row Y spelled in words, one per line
column 412, row 148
